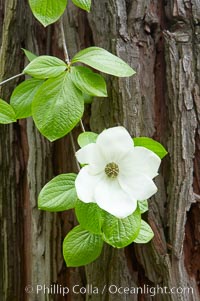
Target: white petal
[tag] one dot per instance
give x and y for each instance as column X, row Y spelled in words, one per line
column 110, row 197
column 139, row 186
column 115, row 143
column 85, row 185
column 91, row 154
column 140, row 160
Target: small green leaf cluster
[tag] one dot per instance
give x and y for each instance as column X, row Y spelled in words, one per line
column 49, row 11
column 56, row 93
column 84, row 243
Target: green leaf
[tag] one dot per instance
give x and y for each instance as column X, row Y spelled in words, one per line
column 30, row 56
column 47, row 11
column 88, row 82
column 45, row 66
column 143, row 205
column 88, row 99
column 102, row 60
column 57, row 107
column 84, row 4
column 59, row 194
column 145, row 234
column 81, row 247
column 22, row 97
column 120, row 233
column 7, row 114
column 87, row 138
column 90, row 216
column 151, row 144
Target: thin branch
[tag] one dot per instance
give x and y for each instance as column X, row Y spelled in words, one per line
column 82, row 126
column 197, row 197
column 66, row 54
column 11, row 78
column 74, row 150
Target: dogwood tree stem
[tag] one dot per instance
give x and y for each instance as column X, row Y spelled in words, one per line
column 74, row 150
column 66, row 55
column 11, row 78
column 64, row 44
column 82, row 126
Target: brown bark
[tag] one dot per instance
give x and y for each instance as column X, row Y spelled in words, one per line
column 160, row 39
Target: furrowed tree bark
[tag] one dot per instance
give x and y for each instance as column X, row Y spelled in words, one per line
column 160, row 40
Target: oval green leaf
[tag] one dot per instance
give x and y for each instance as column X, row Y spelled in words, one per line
column 89, row 216
column 120, row 233
column 7, row 114
column 88, row 82
column 102, row 60
column 22, row 97
column 84, row 4
column 59, row 194
column 57, row 107
column 88, row 99
column 143, row 205
column 30, row 56
column 152, row 145
column 87, row 138
column 45, row 66
column 47, row 11
column 81, row 247
column 145, row 234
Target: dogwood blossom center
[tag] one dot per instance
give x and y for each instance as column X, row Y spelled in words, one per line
column 112, row 170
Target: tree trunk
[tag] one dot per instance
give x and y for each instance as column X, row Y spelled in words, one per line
column 160, row 40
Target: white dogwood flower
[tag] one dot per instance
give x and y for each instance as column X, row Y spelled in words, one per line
column 117, row 174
